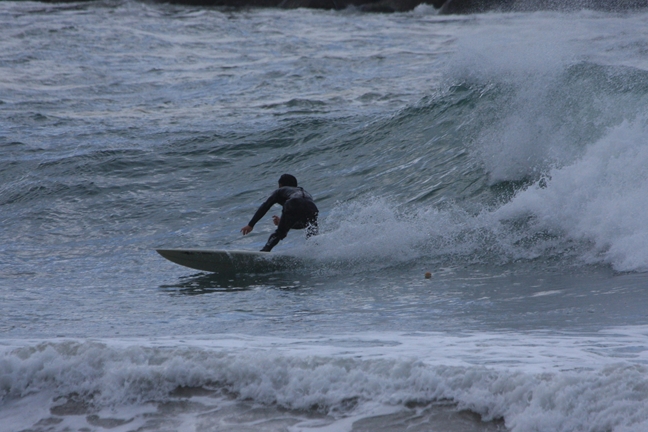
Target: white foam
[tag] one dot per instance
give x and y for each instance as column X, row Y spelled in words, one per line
column 601, row 198
column 571, row 108
column 543, row 111
column 596, row 201
column 534, row 381
column 371, row 229
column 525, row 56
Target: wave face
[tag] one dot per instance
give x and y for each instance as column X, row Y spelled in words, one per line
column 501, row 168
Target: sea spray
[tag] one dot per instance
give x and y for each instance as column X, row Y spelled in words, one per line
column 599, row 199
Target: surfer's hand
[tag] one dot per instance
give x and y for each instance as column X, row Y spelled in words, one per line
column 276, row 219
column 247, row 229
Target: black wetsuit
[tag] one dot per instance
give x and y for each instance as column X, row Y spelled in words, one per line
column 299, row 212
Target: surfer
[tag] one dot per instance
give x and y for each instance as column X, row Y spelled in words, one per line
column 299, row 212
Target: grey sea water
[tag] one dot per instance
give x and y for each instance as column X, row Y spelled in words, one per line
column 506, row 154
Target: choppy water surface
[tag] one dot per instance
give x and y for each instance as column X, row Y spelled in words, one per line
column 506, row 154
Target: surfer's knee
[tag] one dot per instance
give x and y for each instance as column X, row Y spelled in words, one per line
column 281, row 234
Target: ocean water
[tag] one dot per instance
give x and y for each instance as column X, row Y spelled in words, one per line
column 506, row 154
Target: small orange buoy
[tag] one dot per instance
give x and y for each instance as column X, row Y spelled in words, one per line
column 428, row 275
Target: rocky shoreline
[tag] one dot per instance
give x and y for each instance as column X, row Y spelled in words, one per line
column 445, row 7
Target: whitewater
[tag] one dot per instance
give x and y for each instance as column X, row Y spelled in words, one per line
column 504, row 153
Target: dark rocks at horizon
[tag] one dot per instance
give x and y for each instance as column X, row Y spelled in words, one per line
column 445, row 7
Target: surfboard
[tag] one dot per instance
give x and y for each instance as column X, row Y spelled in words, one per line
column 230, row 261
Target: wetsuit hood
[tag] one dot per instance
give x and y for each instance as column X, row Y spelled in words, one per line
column 288, row 180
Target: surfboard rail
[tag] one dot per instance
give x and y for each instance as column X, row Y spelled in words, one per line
column 230, row 261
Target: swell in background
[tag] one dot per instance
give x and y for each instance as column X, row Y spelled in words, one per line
column 492, row 139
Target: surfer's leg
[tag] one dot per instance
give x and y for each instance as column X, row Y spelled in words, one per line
column 297, row 214
column 281, row 232
column 308, row 218
column 273, row 240
column 311, row 212
column 304, row 215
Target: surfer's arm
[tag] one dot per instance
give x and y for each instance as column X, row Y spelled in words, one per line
column 263, row 209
